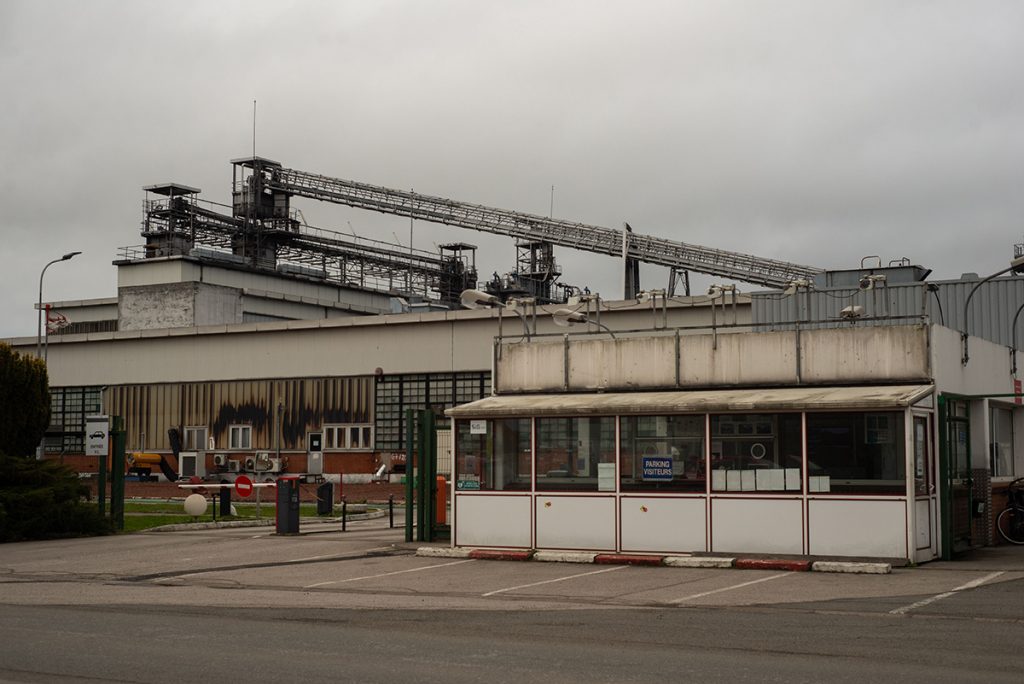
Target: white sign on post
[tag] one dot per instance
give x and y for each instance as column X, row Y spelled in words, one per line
column 97, row 430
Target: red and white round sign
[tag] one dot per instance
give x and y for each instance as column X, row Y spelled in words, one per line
column 243, row 485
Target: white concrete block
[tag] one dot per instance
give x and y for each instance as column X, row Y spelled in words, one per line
column 856, row 568
column 698, row 562
column 443, row 552
column 564, row 557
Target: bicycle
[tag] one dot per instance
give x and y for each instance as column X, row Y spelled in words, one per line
column 1010, row 522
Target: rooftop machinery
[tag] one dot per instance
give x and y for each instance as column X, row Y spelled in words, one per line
column 263, row 231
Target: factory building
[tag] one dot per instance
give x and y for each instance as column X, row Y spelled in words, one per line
column 833, row 413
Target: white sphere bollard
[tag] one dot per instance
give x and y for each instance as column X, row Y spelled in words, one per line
column 195, row 504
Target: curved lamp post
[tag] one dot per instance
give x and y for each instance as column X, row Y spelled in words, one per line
column 1017, row 266
column 39, row 313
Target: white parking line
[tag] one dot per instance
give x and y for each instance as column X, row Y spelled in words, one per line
column 932, row 599
column 387, row 574
column 551, row 581
column 730, row 588
column 335, row 555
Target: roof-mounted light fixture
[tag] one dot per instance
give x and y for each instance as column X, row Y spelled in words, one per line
column 567, row 318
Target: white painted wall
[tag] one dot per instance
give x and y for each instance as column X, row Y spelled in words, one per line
column 757, row 526
column 662, row 524
column 575, row 522
column 857, row 528
column 482, row 520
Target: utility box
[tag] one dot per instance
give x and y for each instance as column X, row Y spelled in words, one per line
column 325, row 499
column 288, row 504
column 315, row 463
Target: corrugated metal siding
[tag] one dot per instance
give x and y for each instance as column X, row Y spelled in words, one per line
column 307, row 404
column 990, row 315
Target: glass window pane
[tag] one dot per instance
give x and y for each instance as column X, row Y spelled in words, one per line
column 756, row 453
column 1001, row 447
column 493, row 455
column 661, row 453
column 576, row 454
column 856, row 453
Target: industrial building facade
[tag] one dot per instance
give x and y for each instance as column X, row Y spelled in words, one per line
column 835, row 414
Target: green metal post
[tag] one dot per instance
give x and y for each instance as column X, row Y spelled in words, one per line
column 410, row 435
column 945, row 491
column 118, row 437
column 101, row 495
column 429, row 469
column 422, row 512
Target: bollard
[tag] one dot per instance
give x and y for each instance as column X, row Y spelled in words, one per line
column 344, row 514
column 391, row 511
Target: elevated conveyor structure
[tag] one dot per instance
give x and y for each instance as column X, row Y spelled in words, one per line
column 529, row 227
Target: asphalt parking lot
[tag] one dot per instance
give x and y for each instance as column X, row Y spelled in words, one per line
column 370, row 565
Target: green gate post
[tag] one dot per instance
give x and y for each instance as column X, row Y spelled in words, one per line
column 422, row 521
column 945, row 482
column 117, row 434
column 429, row 468
column 410, row 435
column 102, row 488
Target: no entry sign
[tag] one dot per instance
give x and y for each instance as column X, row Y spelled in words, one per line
column 243, row 485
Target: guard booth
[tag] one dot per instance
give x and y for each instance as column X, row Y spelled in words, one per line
column 829, row 471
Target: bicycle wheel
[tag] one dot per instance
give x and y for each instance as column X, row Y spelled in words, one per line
column 1010, row 524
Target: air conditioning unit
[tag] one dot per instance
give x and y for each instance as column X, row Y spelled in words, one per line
column 235, row 466
column 262, row 461
column 315, row 463
column 220, row 460
column 274, row 465
column 190, row 465
column 250, row 463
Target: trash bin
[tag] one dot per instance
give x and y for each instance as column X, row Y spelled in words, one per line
column 288, row 504
column 325, row 499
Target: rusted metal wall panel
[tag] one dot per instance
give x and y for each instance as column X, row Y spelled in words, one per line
column 306, row 405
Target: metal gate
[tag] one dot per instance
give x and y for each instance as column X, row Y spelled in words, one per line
column 956, row 480
column 426, row 487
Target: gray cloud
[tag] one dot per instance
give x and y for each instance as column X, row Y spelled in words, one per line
column 816, row 132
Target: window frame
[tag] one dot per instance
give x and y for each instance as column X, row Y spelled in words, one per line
column 239, row 429
column 338, row 437
column 992, row 460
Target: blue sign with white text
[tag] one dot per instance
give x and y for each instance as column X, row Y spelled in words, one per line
column 657, row 468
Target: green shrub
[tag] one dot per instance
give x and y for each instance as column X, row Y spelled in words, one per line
column 24, row 402
column 44, row 500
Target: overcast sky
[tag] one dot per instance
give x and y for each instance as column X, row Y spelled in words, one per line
column 813, row 131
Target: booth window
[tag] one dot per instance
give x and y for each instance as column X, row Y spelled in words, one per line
column 576, row 454
column 1001, row 447
column 492, row 455
column 661, row 453
column 756, row 452
column 856, row 453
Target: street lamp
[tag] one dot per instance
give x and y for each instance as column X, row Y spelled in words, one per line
column 1017, row 265
column 39, row 313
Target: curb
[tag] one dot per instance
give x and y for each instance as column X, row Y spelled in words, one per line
column 443, row 552
column 772, row 564
column 854, row 568
column 497, row 554
column 567, row 557
column 698, row 562
column 675, row 561
column 626, row 559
